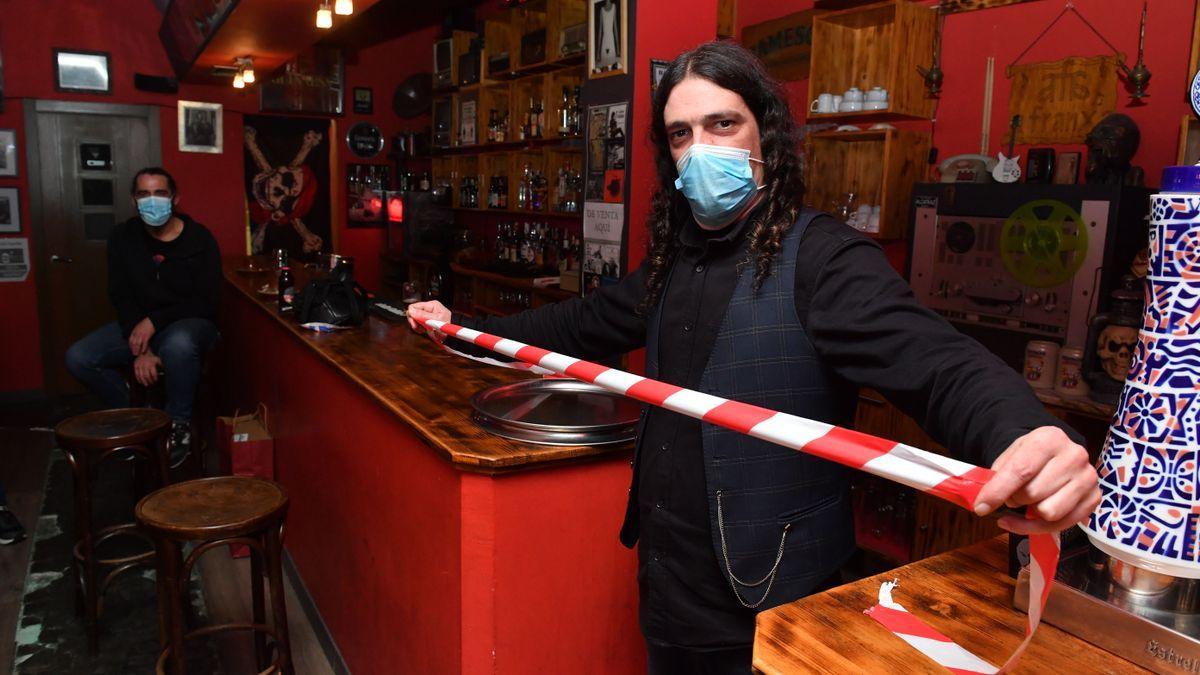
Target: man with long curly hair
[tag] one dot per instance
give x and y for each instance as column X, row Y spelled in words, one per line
column 748, row 295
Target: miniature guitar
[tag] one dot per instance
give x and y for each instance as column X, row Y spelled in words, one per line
column 1008, row 170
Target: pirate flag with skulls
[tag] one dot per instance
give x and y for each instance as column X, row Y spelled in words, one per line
column 281, row 197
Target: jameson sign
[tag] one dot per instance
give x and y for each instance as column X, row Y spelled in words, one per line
column 1060, row 101
column 783, row 44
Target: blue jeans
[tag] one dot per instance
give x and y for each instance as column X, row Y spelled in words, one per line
column 98, row 359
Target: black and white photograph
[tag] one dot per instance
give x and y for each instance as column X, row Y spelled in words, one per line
column 200, row 127
column 10, row 210
column 657, row 70
column 8, row 152
column 81, row 71
column 606, row 25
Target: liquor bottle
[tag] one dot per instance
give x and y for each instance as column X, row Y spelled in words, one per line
column 286, row 289
column 564, row 113
column 502, row 128
column 523, row 188
column 539, row 119
column 502, row 192
column 492, row 124
column 537, row 201
column 527, row 121
column 576, row 114
column 424, row 183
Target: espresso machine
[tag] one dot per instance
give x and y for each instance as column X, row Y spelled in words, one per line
column 1128, row 580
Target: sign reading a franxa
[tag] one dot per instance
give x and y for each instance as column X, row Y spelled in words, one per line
column 1060, row 101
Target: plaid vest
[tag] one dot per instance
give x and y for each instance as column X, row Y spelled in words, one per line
column 780, row 520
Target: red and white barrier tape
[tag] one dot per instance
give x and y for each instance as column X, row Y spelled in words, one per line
column 945, row 477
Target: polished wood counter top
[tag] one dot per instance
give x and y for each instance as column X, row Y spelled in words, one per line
column 428, row 388
column 966, row 594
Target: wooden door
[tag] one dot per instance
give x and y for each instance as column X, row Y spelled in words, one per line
column 82, row 158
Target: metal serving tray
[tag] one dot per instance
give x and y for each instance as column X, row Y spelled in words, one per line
column 556, row 412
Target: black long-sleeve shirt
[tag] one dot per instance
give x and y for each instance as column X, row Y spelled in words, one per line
column 863, row 321
column 165, row 281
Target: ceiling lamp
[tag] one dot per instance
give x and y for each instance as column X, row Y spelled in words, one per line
column 324, row 16
column 239, row 82
column 246, row 65
column 343, row 7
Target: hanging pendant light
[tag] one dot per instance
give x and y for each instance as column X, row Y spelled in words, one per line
column 239, row 82
column 324, row 16
column 343, row 7
column 247, row 65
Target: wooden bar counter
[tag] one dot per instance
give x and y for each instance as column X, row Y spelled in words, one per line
column 428, row 545
column 966, row 594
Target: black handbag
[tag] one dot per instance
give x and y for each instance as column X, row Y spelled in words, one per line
column 338, row 301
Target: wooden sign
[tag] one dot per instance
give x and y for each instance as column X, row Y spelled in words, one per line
column 783, row 44
column 1060, row 101
column 955, row 6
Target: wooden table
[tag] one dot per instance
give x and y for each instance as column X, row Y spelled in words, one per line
column 966, row 594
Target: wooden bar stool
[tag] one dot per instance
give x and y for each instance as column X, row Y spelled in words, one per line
column 87, row 440
column 217, row 512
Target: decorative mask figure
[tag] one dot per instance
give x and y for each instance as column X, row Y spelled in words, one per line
column 1111, row 145
column 1115, row 349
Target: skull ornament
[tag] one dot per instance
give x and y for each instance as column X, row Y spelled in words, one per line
column 1115, row 349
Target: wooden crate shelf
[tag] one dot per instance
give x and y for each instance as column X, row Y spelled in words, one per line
column 877, row 45
column 880, row 166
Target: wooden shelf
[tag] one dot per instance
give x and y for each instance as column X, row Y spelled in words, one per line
column 862, row 117
column 562, row 144
column 880, row 166
column 877, row 45
column 523, row 212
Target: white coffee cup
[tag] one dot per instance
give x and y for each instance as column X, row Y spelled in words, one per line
column 822, row 104
column 853, row 94
column 877, row 94
column 1041, row 361
column 850, row 106
column 837, row 103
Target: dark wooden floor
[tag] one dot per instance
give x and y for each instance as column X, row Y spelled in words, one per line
column 26, row 441
column 24, row 456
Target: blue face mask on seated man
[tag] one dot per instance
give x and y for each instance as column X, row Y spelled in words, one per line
column 155, row 211
column 717, row 182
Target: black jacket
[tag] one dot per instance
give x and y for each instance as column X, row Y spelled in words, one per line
column 164, row 281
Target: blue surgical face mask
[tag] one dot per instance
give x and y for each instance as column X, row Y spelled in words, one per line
column 155, row 211
column 717, row 182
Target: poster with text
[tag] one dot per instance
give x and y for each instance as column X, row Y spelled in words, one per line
column 14, row 259
column 603, row 229
column 606, row 149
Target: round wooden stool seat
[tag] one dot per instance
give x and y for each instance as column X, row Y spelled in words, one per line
column 217, row 512
column 110, row 429
column 87, row 441
column 213, row 508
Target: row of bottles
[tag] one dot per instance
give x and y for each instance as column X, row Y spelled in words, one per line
column 533, row 120
column 537, row 246
column 531, row 191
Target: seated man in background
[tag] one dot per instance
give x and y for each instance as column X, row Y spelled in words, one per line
column 164, row 272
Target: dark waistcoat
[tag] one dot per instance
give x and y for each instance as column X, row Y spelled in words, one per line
column 780, row 520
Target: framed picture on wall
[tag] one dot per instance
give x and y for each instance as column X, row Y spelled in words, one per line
column 200, row 128
column 8, row 152
column 364, row 103
column 76, row 70
column 607, row 29
column 10, row 210
column 657, row 70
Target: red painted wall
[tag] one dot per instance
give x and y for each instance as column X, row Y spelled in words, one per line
column 128, row 30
